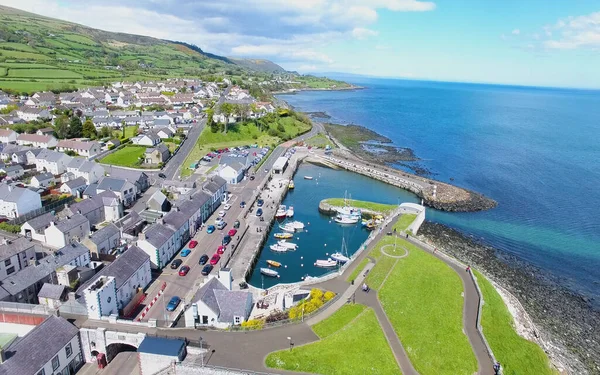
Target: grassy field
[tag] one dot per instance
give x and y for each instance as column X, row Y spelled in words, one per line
column 43, row 73
column 422, row 298
column 378, row 207
column 357, row 270
column 337, row 321
column 351, row 136
column 23, row 55
column 130, row 131
column 319, row 141
column 404, row 221
column 128, row 156
column 2, row 71
column 516, row 354
column 357, row 347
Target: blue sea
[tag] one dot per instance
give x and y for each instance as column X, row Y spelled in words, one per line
column 534, row 150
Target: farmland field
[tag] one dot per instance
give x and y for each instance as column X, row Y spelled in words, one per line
column 23, row 55
column 17, row 46
column 2, row 72
column 79, row 39
column 26, row 65
column 42, row 73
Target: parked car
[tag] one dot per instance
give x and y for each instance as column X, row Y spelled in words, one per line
column 185, row 252
column 218, row 220
column 221, row 213
column 236, row 224
column 260, row 202
column 227, row 206
column 210, row 229
column 220, row 250
column 215, row 259
column 242, row 204
column 226, row 240
column 184, row 270
column 193, row 244
column 252, row 178
column 203, row 259
column 206, row 270
column 221, row 225
column 232, row 232
column 162, row 175
column 176, row 263
column 259, row 212
column 173, row 303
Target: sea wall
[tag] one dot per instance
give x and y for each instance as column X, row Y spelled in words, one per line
column 329, row 209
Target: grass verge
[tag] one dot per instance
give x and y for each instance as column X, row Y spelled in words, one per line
column 404, row 221
column 357, row 270
column 360, row 347
column 128, row 156
column 338, row 320
column 377, row 207
column 516, row 354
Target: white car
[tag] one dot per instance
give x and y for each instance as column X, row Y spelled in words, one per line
column 221, row 213
column 227, row 207
column 218, row 220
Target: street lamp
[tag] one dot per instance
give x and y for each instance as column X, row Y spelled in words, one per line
column 202, row 349
column 291, row 343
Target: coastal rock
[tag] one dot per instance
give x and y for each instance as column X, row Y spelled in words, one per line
column 570, row 327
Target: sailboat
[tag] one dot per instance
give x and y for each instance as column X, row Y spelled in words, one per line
column 348, row 210
column 281, row 212
column 342, row 255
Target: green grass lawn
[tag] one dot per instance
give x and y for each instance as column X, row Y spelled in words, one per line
column 319, row 141
column 378, row 207
column 2, row 71
column 360, row 347
column 128, row 156
column 404, row 221
column 516, row 354
column 23, row 55
column 172, row 146
column 43, row 73
column 383, row 264
column 357, row 270
column 338, row 320
column 422, row 298
column 130, row 131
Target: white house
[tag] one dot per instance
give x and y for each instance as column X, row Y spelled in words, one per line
column 233, row 169
column 31, row 114
column 216, row 305
column 66, row 231
column 15, row 255
column 81, row 148
column 8, row 135
column 13, row 171
column 41, row 141
column 16, row 201
column 90, row 171
column 42, row 180
column 53, row 347
column 148, row 139
column 103, row 241
column 119, row 286
column 125, row 190
column 52, row 161
column 35, row 228
column 74, row 187
column 158, row 241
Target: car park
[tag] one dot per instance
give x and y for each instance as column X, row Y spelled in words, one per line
column 206, row 269
column 215, row 259
column 193, row 244
column 210, row 229
column 173, row 303
column 176, row 263
column 232, row 232
column 259, row 212
column 185, row 252
column 184, row 270
column 203, row 259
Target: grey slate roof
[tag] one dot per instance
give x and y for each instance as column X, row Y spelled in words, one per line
column 76, row 183
column 91, row 190
column 157, row 234
column 232, row 303
column 206, row 294
column 235, row 163
column 72, row 222
column 107, row 198
column 121, row 268
column 76, row 163
column 176, row 219
column 215, row 183
column 104, row 233
column 110, row 183
column 28, row 355
column 161, row 346
column 15, row 247
column 52, row 291
column 26, row 277
column 43, row 176
column 85, row 206
column 41, row 222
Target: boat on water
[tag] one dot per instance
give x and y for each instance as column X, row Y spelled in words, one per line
column 287, row 245
column 290, row 212
column 369, row 224
column 273, row 263
column 293, row 226
column 329, row 263
column 343, row 219
column 291, row 184
column 281, row 212
column 278, row 248
column 348, row 210
column 308, row 177
column 269, row 272
column 284, row 236
column 342, row 255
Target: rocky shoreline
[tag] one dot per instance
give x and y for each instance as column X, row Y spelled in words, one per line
column 567, row 323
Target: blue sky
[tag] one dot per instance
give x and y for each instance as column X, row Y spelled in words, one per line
column 548, row 43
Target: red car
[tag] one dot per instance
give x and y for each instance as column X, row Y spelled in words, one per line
column 232, row 232
column 193, row 244
column 220, row 250
column 215, row 259
column 184, row 270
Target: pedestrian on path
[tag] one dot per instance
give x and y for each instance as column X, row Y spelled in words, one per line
column 434, row 249
column 468, row 268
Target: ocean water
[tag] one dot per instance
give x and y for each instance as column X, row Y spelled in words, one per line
column 534, row 150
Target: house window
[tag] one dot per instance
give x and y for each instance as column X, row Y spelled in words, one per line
column 10, row 270
column 69, row 349
column 55, row 363
column 7, row 262
column 237, row 320
column 42, row 372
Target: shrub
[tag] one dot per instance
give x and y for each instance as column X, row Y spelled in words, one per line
column 253, row 324
column 316, row 293
column 328, row 296
column 10, row 228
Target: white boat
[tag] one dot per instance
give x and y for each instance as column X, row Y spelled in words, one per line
column 278, row 248
column 308, row 177
column 290, row 212
column 297, row 224
column 343, row 219
column 287, row 245
column 329, row 263
column 342, row 255
column 287, row 228
column 293, row 226
column 349, row 210
column 269, row 272
column 281, row 212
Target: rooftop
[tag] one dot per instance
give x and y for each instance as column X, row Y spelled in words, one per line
column 121, row 268
column 161, row 346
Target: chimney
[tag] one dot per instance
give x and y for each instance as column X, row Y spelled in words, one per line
column 142, row 236
column 225, row 277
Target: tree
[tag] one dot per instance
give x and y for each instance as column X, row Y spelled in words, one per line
column 8, row 109
column 105, row 132
column 61, row 127
column 75, row 128
column 89, row 130
column 226, row 110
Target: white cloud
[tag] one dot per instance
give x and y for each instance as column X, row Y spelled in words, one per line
column 574, row 32
column 363, row 33
column 307, row 68
column 516, row 32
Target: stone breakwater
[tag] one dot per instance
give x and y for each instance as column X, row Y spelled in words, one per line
column 329, row 209
column 568, row 325
column 435, row 194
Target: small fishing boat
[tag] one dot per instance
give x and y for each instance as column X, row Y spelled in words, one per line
column 273, row 263
column 308, row 177
column 291, row 184
column 290, row 212
column 329, row 263
column 278, row 248
column 281, row 212
column 343, row 219
column 339, row 257
column 297, row 224
column 294, row 226
column 284, row 236
column 287, row 245
column 269, row 272
column 348, row 210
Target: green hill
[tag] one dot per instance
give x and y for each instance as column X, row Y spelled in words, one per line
column 39, row 53
column 259, row 65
